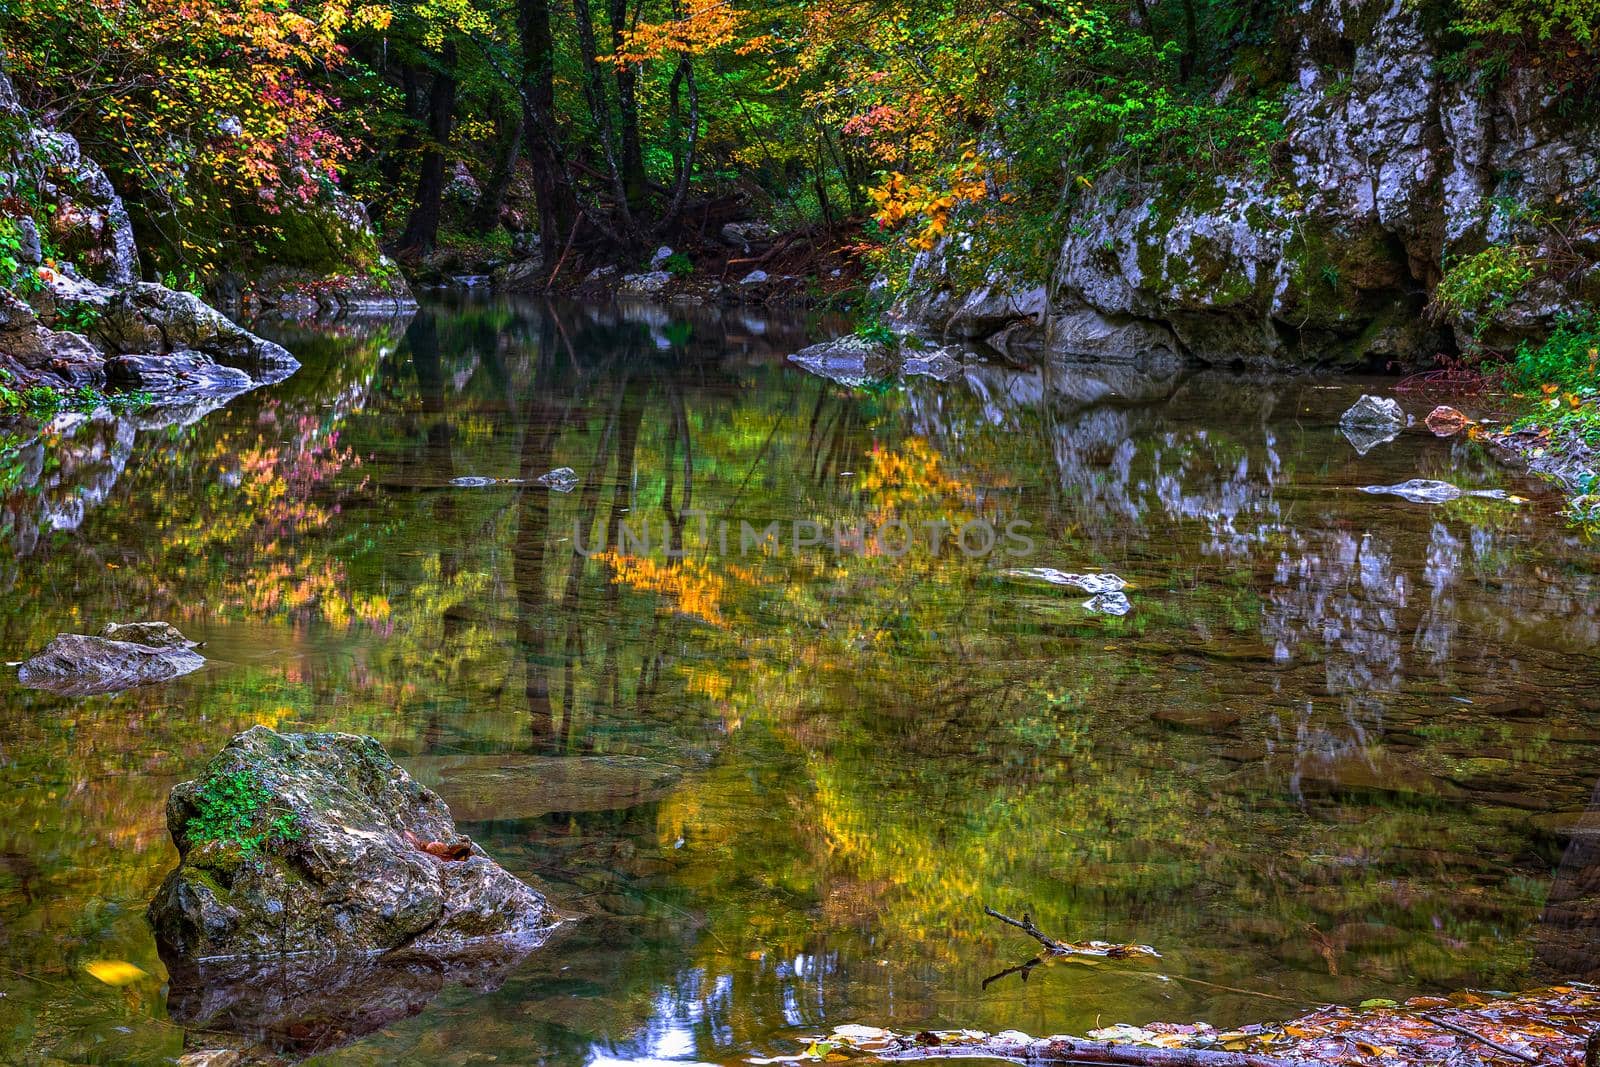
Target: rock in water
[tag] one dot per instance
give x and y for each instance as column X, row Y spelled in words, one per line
column 1375, row 413
column 154, row 634
column 303, row 843
column 1093, row 584
column 1429, row 491
column 850, row 361
column 126, row 656
column 1446, row 421
column 560, row 480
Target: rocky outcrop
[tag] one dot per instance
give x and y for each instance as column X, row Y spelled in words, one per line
column 75, row 314
column 77, row 210
column 120, row 658
column 319, row 844
column 1388, row 171
column 325, row 261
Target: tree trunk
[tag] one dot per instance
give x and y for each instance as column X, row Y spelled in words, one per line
column 633, row 177
column 600, row 112
column 552, row 187
column 1191, row 42
column 422, row 229
column 508, row 141
column 398, row 157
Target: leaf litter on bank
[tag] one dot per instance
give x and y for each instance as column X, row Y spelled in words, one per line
column 1548, row 1026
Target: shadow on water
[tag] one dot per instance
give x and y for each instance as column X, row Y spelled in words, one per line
column 1342, row 747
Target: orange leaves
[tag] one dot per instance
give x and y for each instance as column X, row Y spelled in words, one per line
column 705, row 26
column 899, row 199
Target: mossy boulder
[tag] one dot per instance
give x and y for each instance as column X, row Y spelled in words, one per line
column 320, row 844
column 324, row 258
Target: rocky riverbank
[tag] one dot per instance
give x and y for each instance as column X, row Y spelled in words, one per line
column 76, row 321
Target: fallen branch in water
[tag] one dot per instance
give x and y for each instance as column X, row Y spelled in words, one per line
column 1464, row 1032
column 1106, row 949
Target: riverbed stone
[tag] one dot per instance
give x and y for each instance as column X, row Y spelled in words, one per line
column 81, row 665
column 848, row 360
column 651, row 283
column 330, row 857
column 1375, row 412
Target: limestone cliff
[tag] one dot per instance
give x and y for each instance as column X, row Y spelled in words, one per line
column 1395, row 164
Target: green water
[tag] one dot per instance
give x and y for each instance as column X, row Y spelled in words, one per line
column 1340, row 748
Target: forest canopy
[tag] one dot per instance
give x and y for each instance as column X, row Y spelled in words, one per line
column 620, row 122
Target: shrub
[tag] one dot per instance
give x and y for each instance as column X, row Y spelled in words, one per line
column 1484, row 284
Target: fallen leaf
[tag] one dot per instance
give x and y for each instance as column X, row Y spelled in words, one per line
column 115, row 972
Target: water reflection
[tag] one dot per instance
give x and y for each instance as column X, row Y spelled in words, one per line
column 1338, row 749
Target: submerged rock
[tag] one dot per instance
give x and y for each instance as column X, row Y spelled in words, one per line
column 1093, row 584
column 1429, row 491
column 1108, row 604
column 560, row 480
column 125, row 656
column 1106, row 596
column 314, row 844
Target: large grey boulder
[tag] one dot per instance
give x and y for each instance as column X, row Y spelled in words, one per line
column 123, row 657
column 145, row 317
column 320, row 844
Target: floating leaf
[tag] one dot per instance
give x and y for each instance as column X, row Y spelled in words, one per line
column 115, row 972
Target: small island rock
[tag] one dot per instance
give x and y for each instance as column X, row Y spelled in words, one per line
column 319, row 843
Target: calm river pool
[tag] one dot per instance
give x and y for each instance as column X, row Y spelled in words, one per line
column 1341, row 747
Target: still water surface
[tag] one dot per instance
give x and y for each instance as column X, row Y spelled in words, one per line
column 1340, row 748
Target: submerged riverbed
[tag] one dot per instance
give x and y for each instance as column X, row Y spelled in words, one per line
column 1341, row 747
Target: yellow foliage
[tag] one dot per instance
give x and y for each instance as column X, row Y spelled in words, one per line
column 691, row 586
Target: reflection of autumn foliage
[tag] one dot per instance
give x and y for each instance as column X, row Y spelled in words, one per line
column 692, row 587
column 275, row 502
column 911, row 474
